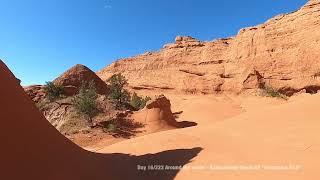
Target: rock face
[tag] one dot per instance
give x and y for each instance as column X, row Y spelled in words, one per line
column 284, row 53
column 35, row 92
column 74, row 77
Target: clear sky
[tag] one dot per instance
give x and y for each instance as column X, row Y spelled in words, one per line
column 40, row 39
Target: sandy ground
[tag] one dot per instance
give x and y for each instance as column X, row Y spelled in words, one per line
column 236, row 138
column 241, row 138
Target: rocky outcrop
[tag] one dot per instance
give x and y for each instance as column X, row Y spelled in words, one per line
column 254, row 80
column 157, row 116
column 283, row 53
column 71, row 81
column 162, row 105
column 35, row 92
column 184, row 41
column 74, row 77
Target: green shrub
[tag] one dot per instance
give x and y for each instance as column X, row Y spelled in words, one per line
column 53, row 91
column 120, row 98
column 271, row 92
column 117, row 81
column 110, row 128
column 138, row 102
column 85, row 101
column 118, row 94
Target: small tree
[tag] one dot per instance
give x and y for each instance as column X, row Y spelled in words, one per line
column 118, row 94
column 85, row 101
column 53, row 91
column 138, row 102
column 117, row 81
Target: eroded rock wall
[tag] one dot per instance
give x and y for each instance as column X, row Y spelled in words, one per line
column 284, row 53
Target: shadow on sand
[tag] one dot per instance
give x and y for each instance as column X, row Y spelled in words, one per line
column 122, row 127
column 125, row 167
column 186, row 124
column 183, row 124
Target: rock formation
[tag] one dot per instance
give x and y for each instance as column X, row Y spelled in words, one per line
column 35, row 92
column 71, row 80
column 74, row 77
column 283, row 53
column 157, row 116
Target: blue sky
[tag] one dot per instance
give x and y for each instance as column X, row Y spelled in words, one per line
column 40, row 39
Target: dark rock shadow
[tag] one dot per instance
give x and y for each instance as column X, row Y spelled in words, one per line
column 160, row 166
column 176, row 114
column 183, row 124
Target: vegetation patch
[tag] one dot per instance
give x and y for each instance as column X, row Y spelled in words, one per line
column 85, row 101
column 122, row 127
column 53, row 91
column 118, row 95
column 110, row 128
column 272, row 92
column 138, row 102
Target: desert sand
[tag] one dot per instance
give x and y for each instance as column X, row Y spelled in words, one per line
column 271, row 136
column 276, row 134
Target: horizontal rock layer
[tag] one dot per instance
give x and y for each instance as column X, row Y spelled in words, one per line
column 284, row 53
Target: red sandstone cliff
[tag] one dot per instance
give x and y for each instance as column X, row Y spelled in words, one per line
column 284, row 53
